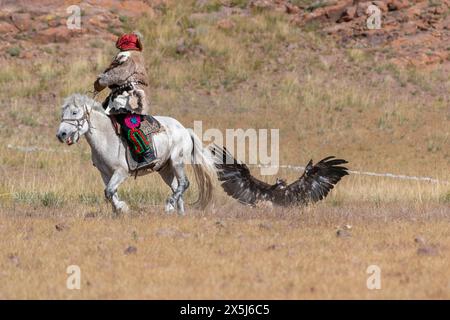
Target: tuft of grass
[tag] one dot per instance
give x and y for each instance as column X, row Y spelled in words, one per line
column 47, row 199
column 123, row 19
column 445, row 198
column 319, row 4
column 25, row 197
column 312, row 26
column 13, row 51
column 51, row 199
column 89, row 199
column 114, row 30
column 136, row 197
column 357, row 55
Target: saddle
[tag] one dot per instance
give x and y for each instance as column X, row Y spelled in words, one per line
column 137, row 132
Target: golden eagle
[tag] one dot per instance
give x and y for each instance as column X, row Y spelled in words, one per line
column 313, row 185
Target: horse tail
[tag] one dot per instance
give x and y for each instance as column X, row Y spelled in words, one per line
column 204, row 171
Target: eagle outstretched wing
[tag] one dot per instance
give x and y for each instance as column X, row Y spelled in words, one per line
column 314, row 184
column 236, row 179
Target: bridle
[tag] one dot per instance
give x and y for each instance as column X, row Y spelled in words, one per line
column 79, row 123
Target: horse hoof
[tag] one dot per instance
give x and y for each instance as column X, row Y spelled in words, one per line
column 169, row 207
column 121, row 208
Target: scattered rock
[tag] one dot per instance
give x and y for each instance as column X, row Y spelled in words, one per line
column 61, row 227
column 424, row 249
column 348, row 15
column 343, row 233
column 220, row 224
column 14, row 258
column 130, row 250
column 414, row 30
column 265, row 226
column 419, row 240
column 7, row 28
column 292, row 9
column 21, row 21
column 397, row 4
column 329, row 13
column 58, row 34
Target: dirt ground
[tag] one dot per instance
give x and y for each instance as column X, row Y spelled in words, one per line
column 228, row 253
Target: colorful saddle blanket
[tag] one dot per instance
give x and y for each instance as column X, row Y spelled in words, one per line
column 138, row 131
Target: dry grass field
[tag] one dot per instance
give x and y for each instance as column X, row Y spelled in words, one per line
column 227, row 253
column 261, row 73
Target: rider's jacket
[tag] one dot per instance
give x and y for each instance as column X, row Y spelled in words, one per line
column 127, row 78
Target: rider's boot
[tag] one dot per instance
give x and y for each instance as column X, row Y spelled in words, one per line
column 147, row 160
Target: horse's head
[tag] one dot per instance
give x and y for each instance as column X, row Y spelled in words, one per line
column 74, row 118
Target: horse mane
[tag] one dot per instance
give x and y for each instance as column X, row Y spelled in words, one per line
column 79, row 100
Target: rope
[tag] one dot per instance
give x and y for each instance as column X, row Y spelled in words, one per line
column 367, row 173
column 5, row 194
column 288, row 166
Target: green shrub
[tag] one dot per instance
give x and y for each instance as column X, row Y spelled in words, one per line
column 13, row 51
column 51, row 199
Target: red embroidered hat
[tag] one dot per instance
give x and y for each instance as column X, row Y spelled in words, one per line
column 129, row 42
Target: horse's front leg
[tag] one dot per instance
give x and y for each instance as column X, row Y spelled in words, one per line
column 112, row 185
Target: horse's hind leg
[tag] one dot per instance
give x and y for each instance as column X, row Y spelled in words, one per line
column 168, row 175
column 175, row 177
column 183, row 184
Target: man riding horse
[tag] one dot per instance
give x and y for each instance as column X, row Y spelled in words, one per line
column 127, row 104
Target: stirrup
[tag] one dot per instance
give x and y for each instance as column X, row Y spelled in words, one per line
column 146, row 165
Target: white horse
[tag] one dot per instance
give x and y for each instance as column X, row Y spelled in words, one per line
column 175, row 146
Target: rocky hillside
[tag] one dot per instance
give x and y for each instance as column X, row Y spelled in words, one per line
column 416, row 32
column 36, row 28
column 412, row 31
